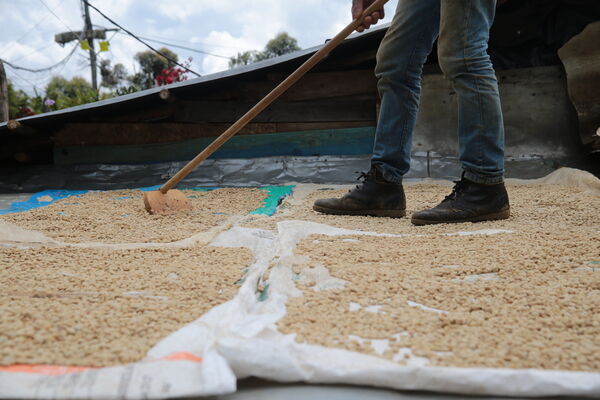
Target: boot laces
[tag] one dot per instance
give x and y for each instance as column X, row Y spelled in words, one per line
column 456, row 190
column 363, row 177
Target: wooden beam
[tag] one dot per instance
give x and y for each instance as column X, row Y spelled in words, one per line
column 167, row 96
column 314, row 85
column 3, row 94
column 92, row 134
column 326, row 85
column 153, row 114
column 341, row 109
column 17, row 128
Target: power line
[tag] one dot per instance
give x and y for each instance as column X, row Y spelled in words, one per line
column 138, row 39
column 33, row 85
column 194, row 42
column 57, row 17
column 184, row 47
column 58, row 64
column 30, row 53
column 30, row 29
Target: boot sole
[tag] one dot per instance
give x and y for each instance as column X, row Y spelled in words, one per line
column 365, row 213
column 487, row 217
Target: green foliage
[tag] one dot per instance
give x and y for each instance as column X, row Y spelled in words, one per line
column 112, row 77
column 71, row 93
column 16, row 100
column 278, row 46
column 151, row 65
column 245, row 58
column 19, row 100
column 62, row 93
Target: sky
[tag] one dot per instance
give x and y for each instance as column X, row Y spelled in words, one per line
column 219, row 27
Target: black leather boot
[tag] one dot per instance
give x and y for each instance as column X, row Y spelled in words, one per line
column 468, row 202
column 374, row 196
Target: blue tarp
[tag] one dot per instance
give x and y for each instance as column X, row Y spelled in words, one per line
column 275, row 195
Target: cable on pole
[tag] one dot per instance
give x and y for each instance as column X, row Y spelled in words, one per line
column 58, row 64
column 183, row 47
column 140, row 40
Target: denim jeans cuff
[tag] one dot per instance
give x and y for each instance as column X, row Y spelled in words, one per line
column 388, row 175
column 484, row 179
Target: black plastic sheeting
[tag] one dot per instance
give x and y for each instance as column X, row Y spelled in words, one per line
column 243, row 172
column 528, row 33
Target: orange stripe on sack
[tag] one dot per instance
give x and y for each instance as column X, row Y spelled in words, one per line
column 55, row 370
column 42, row 369
column 183, row 356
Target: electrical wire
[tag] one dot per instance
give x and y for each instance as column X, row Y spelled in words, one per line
column 29, row 30
column 193, row 43
column 59, row 18
column 183, row 47
column 138, row 39
column 33, row 85
column 30, row 53
column 46, row 69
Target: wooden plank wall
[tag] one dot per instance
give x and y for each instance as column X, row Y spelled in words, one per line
column 320, row 101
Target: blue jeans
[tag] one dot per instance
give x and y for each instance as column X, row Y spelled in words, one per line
column 463, row 27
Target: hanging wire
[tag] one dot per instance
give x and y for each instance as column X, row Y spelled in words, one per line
column 140, row 40
column 46, row 69
column 184, row 47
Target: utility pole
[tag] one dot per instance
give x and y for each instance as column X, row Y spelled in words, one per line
column 90, row 37
column 88, row 34
column 3, row 94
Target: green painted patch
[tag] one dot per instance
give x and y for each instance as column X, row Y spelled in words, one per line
column 346, row 141
column 264, row 294
column 275, row 195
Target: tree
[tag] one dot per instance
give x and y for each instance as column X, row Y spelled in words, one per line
column 245, row 58
column 71, row 93
column 278, row 46
column 152, row 65
column 112, row 77
column 20, row 104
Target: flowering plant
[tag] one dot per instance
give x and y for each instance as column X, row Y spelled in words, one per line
column 173, row 74
column 25, row 112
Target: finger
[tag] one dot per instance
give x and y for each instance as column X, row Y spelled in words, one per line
column 376, row 16
column 357, row 9
column 360, row 29
column 368, row 21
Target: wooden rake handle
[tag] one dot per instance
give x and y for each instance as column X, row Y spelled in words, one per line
column 272, row 96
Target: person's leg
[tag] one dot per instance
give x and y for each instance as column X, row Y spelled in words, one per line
column 463, row 57
column 400, row 60
column 462, row 49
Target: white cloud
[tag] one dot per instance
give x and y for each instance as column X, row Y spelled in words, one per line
column 211, row 64
column 223, row 27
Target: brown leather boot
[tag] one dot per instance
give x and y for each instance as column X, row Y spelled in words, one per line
column 468, row 202
column 374, row 196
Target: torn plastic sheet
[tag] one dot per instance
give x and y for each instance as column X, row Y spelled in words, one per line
column 255, row 348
